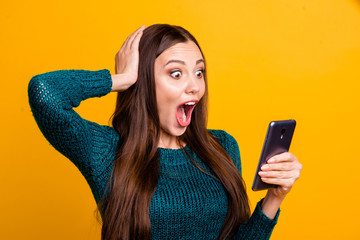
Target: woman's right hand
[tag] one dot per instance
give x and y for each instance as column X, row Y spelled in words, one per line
column 127, row 62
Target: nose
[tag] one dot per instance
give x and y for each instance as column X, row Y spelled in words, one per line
column 193, row 85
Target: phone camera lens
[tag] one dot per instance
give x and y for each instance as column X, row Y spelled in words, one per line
column 283, row 131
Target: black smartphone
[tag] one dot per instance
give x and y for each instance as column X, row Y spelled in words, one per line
column 277, row 140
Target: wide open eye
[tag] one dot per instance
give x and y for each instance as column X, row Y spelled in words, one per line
column 199, row 73
column 176, row 74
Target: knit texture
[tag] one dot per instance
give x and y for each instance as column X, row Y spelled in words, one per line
column 187, row 204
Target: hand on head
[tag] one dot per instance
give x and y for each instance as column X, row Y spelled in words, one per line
column 127, row 58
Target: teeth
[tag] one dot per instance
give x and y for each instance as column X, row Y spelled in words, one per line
column 190, row 103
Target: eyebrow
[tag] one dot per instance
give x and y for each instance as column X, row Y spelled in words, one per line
column 182, row 62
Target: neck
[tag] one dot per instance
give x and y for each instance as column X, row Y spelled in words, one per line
column 169, row 141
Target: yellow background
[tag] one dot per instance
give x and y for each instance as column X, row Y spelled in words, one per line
column 267, row 60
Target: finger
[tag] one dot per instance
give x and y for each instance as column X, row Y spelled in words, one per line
column 126, row 42
column 287, row 183
column 135, row 42
column 124, row 45
column 279, row 174
column 284, row 166
column 133, row 35
column 282, row 157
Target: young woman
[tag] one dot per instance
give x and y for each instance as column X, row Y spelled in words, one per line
column 157, row 172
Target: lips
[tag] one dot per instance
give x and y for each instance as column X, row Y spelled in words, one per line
column 184, row 111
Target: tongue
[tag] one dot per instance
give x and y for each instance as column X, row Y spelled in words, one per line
column 181, row 115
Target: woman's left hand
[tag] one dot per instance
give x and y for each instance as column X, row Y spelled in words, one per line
column 282, row 170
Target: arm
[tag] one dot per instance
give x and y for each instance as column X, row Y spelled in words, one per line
column 52, row 97
column 282, row 170
column 259, row 226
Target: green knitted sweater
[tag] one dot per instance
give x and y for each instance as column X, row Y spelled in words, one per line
column 187, row 203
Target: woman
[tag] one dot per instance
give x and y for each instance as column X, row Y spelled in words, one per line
column 158, row 172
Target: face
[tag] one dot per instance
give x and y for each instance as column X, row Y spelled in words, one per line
column 180, row 84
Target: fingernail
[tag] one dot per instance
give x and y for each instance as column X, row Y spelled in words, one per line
column 265, row 167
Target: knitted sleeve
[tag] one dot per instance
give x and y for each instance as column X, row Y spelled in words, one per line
column 90, row 146
column 259, row 226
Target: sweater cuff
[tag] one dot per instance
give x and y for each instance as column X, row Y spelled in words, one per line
column 91, row 84
column 95, row 83
column 262, row 222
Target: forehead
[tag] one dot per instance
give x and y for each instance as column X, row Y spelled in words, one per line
column 187, row 51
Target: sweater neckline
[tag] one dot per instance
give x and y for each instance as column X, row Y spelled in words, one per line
column 173, row 149
column 169, row 156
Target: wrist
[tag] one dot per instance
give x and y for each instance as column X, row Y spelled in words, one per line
column 271, row 204
column 276, row 194
column 120, row 82
column 274, row 198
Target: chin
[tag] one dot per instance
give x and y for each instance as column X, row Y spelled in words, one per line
column 177, row 131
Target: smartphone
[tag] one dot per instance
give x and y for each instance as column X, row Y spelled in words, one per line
column 277, row 140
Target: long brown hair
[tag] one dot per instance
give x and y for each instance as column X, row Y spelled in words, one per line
column 126, row 201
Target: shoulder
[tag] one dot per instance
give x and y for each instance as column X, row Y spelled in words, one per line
column 229, row 143
column 223, row 137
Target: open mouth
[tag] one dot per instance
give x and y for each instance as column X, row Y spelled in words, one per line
column 183, row 112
